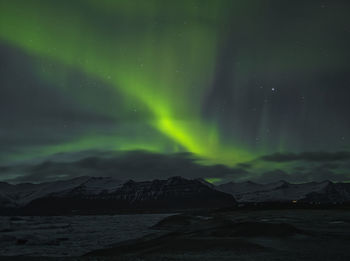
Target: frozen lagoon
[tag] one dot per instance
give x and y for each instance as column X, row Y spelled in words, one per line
column 70, row 235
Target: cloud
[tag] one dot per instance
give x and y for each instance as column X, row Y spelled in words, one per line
column 138, row 165
column 304, row 167
column 317, row 174
column 143, row 165
column 244, row 165
column 308, row 156
column 271, row 176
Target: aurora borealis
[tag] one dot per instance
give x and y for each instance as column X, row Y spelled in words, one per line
column 226, row 82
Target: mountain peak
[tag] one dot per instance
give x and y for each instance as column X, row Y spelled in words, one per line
column 283, row 191
column 172, row 193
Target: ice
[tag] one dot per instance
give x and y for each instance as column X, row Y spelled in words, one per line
column 70, row 235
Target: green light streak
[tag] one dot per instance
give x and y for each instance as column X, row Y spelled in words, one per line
column 213, row 180
column 156, row 60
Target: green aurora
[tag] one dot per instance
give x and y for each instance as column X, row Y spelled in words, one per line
column 213, row 78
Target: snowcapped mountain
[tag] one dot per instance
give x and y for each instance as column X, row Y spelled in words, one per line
column 106, row 194
column 22, row 194
column 282, row 191
column 332, row 193
column 103, row 194
column 174, row 189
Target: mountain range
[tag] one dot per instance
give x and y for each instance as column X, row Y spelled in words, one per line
column 282, row 191
column 106, row 194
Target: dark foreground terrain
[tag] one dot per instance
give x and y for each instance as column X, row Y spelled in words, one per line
column 289, row 234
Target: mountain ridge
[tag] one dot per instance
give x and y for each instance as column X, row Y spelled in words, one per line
column 106, row 194
column 283, row 191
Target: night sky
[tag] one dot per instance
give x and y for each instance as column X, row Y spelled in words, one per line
column 224, row 90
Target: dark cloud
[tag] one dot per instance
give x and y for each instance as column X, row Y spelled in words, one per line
column 138, row 165
column 244, row 165
column 308, row 156
column 4, row 168
column 316, row 174
column 306, row 167
column 328, row 166
column 271, row 176
column 300, row 168
column 143, row 165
